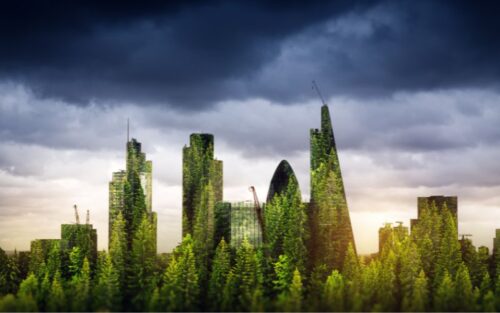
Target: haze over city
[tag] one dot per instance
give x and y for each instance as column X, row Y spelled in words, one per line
column 412, row 89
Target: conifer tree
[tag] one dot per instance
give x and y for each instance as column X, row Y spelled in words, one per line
column 180, row 287
column 444, row 294
column 106, row 292
column 449, row 255
column 464, row 298
column 333, row 293
column 43, row 294
column 118, row 247
column 54, row 259
column 419, row 301
column 56, row 299
column 410, row 268
column 220, row 270
column 80, row 291
column 294, row 302
column 142, row 264
column 246, row 279
column 75, row 261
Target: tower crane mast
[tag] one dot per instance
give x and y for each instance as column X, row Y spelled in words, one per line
column 258, row 211
column 76, row 214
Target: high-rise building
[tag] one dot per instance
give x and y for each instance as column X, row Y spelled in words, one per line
column 136, row 180
column 83, row 236
column 330, row 224
column 451, row 202
column 282, row 177
column 199, row 171
column 245, row 224
column 389, row 232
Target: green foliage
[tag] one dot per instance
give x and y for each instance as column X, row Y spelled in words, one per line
column 56, row 299
column 180, row 290
column 221, row 267
column 106, row 294
column 285, row 226
column 333, row 293
column 444, row 296
column 143, row 264
column 464, row 298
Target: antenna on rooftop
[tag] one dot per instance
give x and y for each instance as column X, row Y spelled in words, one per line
column 315, row 87
column 128, row 129
column 87, row 220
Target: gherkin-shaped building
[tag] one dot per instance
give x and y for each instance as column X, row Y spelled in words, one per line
column 282, row 177
column 330, row 224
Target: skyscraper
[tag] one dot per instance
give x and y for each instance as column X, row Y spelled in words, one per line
column 130, row 192
column 331, row 230
column 200, row 172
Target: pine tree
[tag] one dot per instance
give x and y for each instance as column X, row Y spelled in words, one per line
column 333, row 293
column 410, row 268
column 449, row 256
column 220, row 270
column 54, row 259
column 464, row 298
column 80, row 283
column 57, row 299
column 106, row 293
column 351, row 271
column 118, row 248
column 246, row 280
column 180, row 282
column 293, row 301
column 75, row 261
column 444, row 294
column 386, row 291
column 143, row 264
column 419, row 300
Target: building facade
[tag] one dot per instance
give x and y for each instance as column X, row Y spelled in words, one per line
column 200, row 171
column 244, row 224
column 329, row 220
column 451, row 202
column 130, row 192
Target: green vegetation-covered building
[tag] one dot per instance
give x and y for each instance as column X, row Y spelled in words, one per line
column 330, row 224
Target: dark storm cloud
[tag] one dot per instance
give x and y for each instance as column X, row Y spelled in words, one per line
column 193, row 54
column 188, row 54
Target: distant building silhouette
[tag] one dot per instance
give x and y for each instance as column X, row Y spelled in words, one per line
column 389, row 232
column 438, row 201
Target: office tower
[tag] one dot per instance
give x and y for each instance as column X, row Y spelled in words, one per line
column 244, row 224
column 201, row 181
column 130, row 193
column 439, row 202
column 389, row 233
column 330, row 224
column 83, row 236
column 282, row 177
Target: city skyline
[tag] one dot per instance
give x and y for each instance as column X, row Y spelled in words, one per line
column 412, row 89
column 133, row 144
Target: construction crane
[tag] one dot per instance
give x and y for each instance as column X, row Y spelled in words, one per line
column 258, row 211
column 76, row 214
column 315, row 87
column 87, row 220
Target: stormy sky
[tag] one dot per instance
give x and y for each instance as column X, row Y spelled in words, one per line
column 413, row 88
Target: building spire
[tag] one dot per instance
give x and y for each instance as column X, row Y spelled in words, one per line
column 128, row 130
